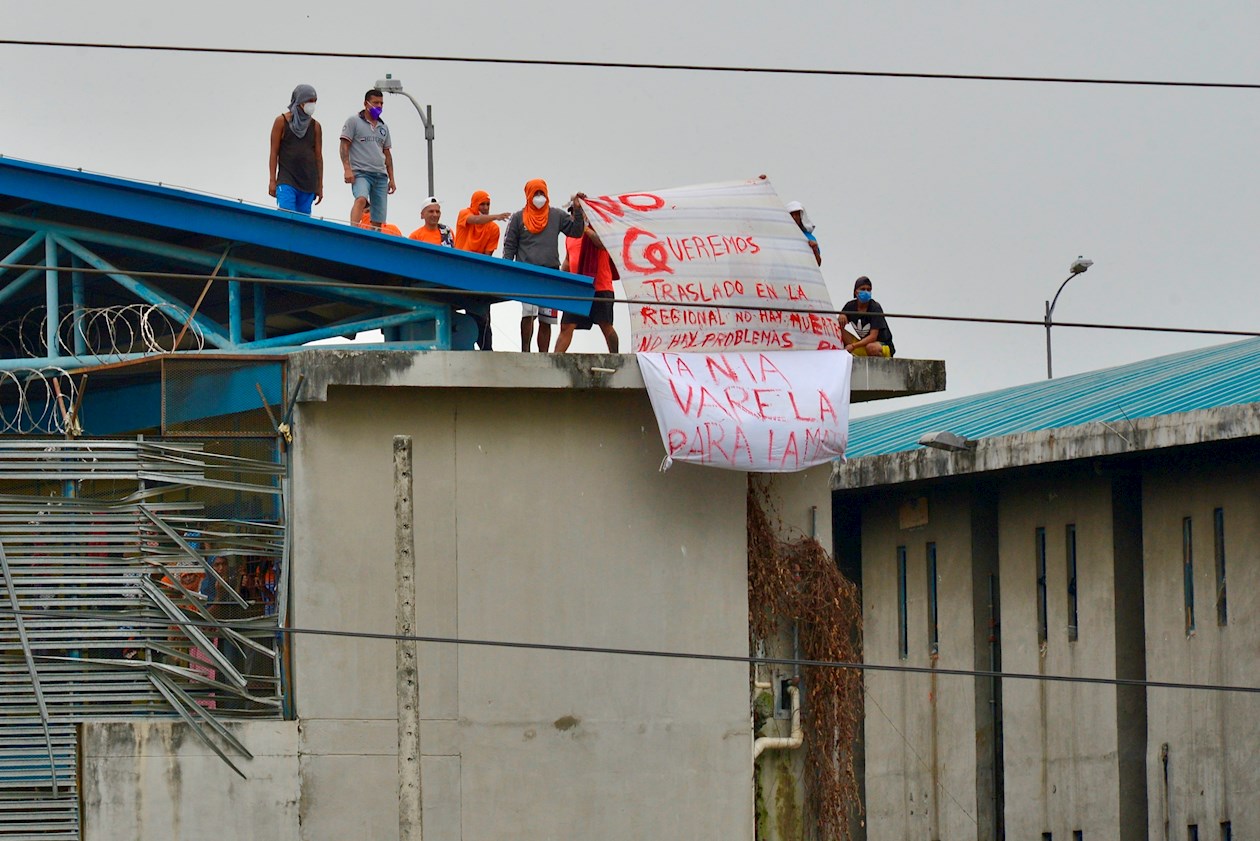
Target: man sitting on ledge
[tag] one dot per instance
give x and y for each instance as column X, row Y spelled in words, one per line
column 862, row 323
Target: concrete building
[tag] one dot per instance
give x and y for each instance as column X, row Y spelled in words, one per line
column 1101, row 526
column 540, row 517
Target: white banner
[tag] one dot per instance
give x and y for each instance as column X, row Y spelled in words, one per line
column 772, row 412
column 732, row 246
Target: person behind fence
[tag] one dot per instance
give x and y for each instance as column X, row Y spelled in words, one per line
column 297, row 159
column 433, row 231
column 533, row 237
column 366, row 159
column 586, row 255
column 476, row 231
column 802, row 220
column 210, row 588
column 863, row 326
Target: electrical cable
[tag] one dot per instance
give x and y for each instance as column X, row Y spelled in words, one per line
column 133, row 621
column 628, row 65
column 419, row 292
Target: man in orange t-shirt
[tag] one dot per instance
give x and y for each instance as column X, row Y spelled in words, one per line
column 432, row 231
column 586, row 255
column 365, row 222
column 476, row 231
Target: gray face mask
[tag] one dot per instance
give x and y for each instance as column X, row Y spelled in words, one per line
column 540, row 201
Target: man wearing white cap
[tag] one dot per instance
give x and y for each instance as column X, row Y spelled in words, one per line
column 806, row 225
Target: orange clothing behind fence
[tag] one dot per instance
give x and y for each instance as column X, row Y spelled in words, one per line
column 386, row 227
column 423, row 234
column 484, row 238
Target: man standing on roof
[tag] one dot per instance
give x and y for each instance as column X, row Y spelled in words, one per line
column 476, row 231
column 297, row 159
column 432, row 231
column 802, row 220
column 586, row 255
column 863, row 326
column 366, row 159
column 532, row 237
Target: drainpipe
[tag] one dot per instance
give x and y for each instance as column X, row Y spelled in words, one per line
column 765, row 743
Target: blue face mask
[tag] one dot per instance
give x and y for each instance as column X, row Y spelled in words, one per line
column 375, row 112
column 864, row 296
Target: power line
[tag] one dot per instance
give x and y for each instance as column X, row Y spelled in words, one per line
column 634, row 65
column 132, row 621
column 511, row 295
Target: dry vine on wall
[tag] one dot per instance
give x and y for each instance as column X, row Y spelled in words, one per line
column 796, row 580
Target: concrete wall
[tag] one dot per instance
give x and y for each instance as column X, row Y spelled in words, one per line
column 541, row 517
column 920, row 729
column 156, row 781
column 1201, row 766
column 1060, row 738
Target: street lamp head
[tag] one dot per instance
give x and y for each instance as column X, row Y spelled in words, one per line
column 1080, row 264
column 389, row 84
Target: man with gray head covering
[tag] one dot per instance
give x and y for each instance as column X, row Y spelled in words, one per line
column 801, row 217
column 297, row 162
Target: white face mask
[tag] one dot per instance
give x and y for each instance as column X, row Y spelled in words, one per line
column 309, row 108
column 540, row 201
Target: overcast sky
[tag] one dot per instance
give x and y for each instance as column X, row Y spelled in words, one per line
column 955, row 197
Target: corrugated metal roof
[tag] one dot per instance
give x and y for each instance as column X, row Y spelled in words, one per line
column 1224, row 375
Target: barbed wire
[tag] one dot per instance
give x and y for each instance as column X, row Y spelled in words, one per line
column 36, row 400
column 103, row 332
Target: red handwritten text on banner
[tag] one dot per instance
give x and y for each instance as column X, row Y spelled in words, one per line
column 758, row 411
column 730, row 246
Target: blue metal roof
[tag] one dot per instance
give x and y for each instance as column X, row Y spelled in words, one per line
column 1224, row 375
column 269, row 236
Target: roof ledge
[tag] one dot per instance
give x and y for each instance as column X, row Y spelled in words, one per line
column 1068, row 443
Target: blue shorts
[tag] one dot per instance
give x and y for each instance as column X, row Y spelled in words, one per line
column 373, row 186
column 291, row 198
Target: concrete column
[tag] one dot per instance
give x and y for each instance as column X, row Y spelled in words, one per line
column 410, row 810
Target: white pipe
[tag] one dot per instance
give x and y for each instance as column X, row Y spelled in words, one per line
column 792, row 742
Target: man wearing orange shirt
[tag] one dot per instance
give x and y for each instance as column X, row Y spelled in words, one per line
column 432, row 231
column 586, row 255
column 476, row 231
column 365, row 222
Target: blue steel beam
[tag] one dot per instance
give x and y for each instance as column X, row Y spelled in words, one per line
column 212, row 331
column 288, row 233
column 340, row 329
column 234, row 309
column 309, row 284
column 18, row 284
column 52, row 302
column 78, row 298
column 16, row 255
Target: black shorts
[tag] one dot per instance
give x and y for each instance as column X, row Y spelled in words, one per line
column 601, row 313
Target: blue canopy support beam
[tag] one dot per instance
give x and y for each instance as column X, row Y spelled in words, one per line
column 213, row 333
column 52, row 302
column 17, row 254
column 234, row 308
column 78, row 298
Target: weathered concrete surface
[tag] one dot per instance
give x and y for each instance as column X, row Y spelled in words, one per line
column 156, row 781
column 921, row 754
column 1061, row 742
column 873, row 379
column 1212, row 738
column 1053, row 445
column 541, row 516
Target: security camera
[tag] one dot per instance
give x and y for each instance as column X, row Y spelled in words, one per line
column 1080, row 264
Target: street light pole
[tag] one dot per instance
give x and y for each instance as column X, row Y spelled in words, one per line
column 391, row 85
column 1079, row 266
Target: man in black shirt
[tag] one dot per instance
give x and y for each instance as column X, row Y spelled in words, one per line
column 862, row 322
